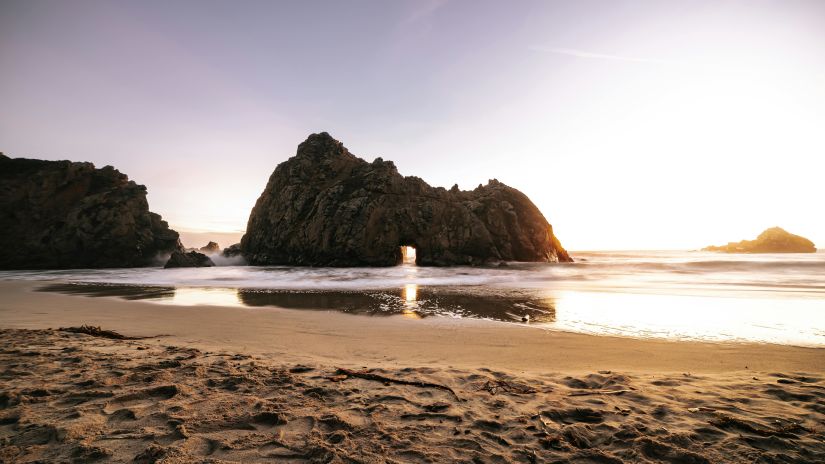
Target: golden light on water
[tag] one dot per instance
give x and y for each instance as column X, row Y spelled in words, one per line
column 410, row 295
column 699, row 317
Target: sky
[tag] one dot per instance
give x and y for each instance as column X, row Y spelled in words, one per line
column 630, row 124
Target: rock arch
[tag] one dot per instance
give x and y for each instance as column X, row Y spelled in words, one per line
column 327, row 207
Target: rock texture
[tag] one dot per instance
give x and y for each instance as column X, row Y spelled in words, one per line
column 211, row 248
column 773, row 240
column 232, row 251
column 60, row 214
column 327, row 207
column 190, row 259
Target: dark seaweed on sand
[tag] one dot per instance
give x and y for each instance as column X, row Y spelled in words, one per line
column 96, row 331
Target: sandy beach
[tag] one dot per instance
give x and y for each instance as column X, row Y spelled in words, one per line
column 213, row 384
column 415, row 231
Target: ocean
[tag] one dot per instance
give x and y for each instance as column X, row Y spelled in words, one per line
column 678, row 295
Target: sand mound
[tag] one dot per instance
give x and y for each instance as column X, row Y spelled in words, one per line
column 75, row 398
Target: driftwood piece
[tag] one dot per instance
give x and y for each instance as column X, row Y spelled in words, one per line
column 96, row 331
column 380, row 378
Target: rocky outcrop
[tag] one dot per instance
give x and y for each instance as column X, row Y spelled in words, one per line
column 773, row 240
column 60, row 214
column 327, row 207
column 211, row 248
column 232, row 251
column 190, row 259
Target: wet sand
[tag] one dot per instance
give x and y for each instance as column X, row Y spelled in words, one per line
column 261, row 384
column 355, row 340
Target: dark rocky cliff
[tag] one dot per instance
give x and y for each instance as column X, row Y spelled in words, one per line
column 773, row 240
column 327, row 207
column 60, row 214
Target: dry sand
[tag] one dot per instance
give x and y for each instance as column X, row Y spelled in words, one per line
column 261, row 385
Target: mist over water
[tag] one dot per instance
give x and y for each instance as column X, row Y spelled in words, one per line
column 678, row 295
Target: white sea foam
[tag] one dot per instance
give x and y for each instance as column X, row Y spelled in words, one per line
column 694, row 273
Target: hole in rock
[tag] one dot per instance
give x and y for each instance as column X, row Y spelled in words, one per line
column 407, row 255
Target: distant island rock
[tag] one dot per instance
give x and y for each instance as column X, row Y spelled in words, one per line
column 62, row 214
column 327, row 207
column 188, row 259
column 210, row 248
column 773, row 240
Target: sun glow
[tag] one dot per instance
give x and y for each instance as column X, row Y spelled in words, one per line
column 705, row 125
column 408, row 255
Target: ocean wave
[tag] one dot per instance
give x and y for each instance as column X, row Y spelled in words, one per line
column 776, row 299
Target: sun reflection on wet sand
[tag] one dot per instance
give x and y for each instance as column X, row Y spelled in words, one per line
column 756, row 312
column 193, row 296
column 410, row 296
column 687, row 317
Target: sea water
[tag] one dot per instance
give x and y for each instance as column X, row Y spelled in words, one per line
column 775, row 298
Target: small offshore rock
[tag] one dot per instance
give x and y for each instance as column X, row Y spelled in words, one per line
column 210, row 248
column 773, row 240
column 232, row 251
column 190, row 259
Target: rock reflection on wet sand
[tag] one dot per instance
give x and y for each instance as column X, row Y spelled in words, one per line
column 411, row 300
column 791, row 321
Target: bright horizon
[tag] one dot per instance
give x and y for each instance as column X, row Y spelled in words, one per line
column 631, row 125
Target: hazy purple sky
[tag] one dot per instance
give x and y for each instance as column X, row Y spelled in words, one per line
column 644, row 124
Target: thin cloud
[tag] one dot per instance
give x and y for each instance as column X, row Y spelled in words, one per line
column 424, row 11
column 596, row 56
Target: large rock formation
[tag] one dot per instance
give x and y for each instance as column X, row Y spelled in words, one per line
column 60, row 214
column 773, row 240
column 326, row 207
